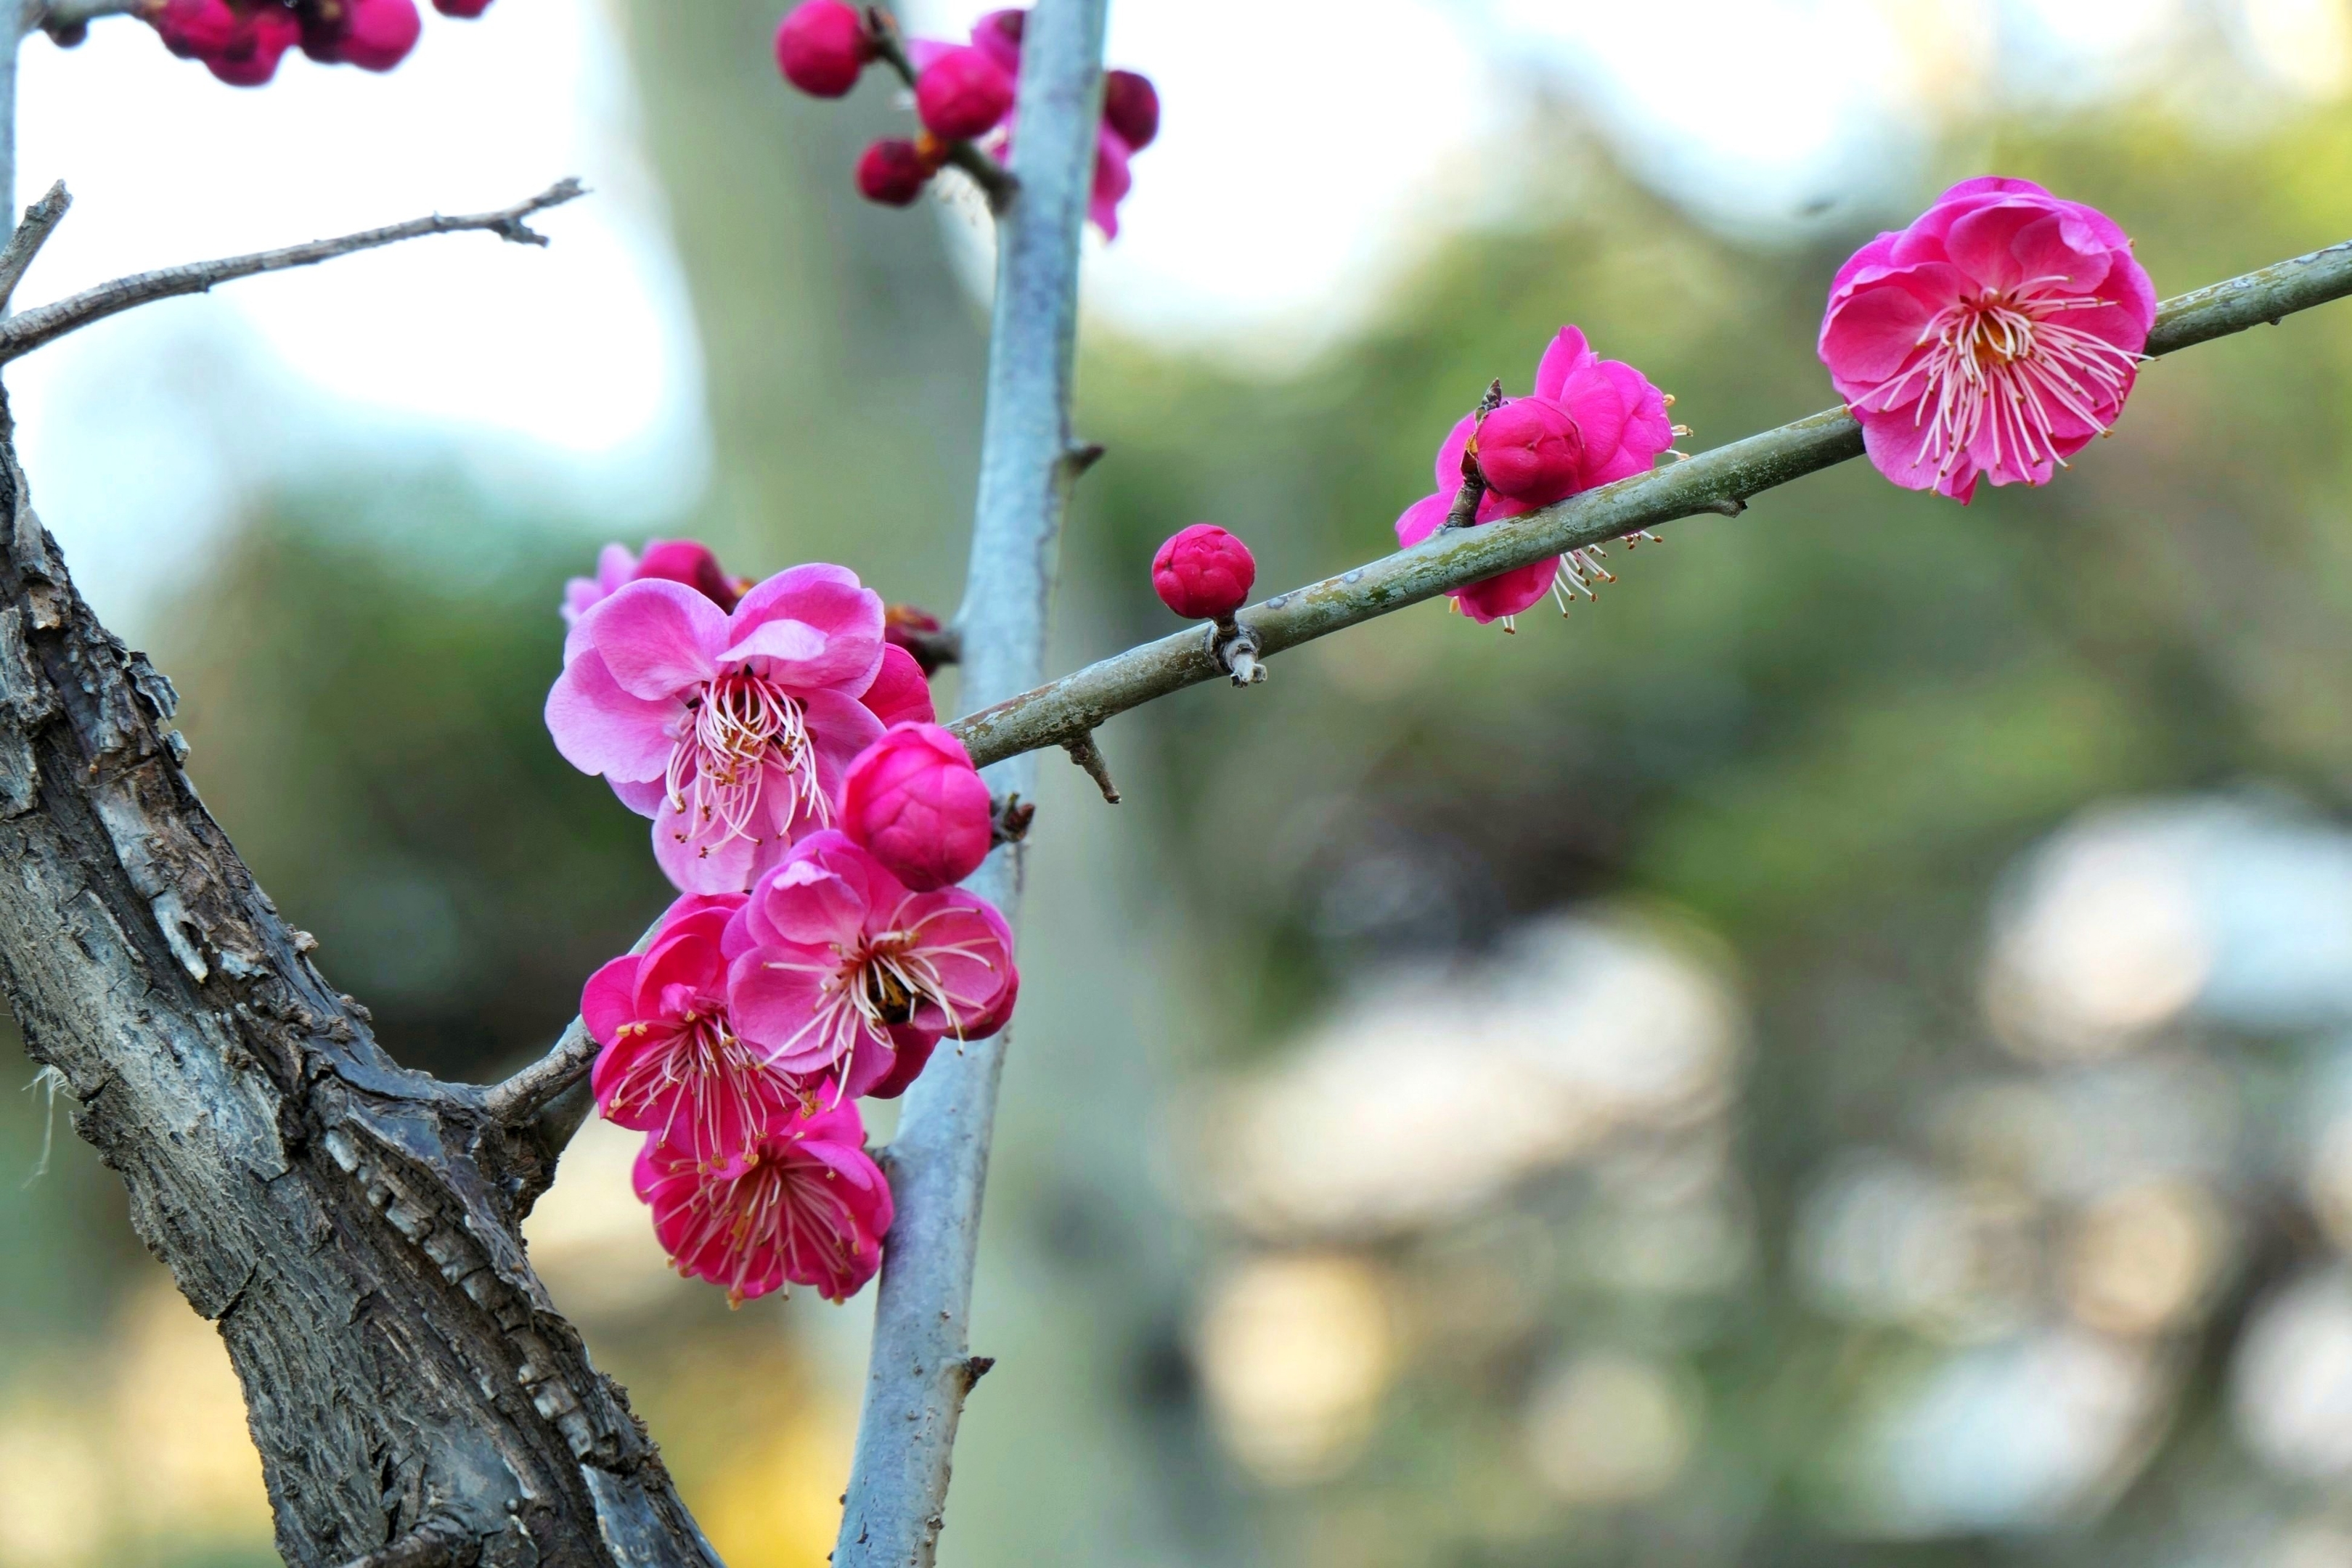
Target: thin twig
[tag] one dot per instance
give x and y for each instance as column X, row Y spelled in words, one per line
column 40, row 221
column 994, row 180
column 921, row 1367
column 1465, row 509
column 22, row 334
column 64, row 15
column 1719, row 480
column 518, row 1098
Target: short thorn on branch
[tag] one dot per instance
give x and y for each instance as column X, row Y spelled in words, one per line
column 1465, row 509
column 1235, row 649
column 1009, row 817
column 40, row 221
column 1081, row 458
column 45, row 324
column 1088, row 755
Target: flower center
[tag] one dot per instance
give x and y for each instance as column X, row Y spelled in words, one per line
column 743, row 726
column 771, row 1208
column 714, row 1082
column 2001, row 368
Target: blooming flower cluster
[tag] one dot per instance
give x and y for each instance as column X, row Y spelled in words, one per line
column 241, row 41
column 963, row 93
column 816, row 821
column 1588, row 422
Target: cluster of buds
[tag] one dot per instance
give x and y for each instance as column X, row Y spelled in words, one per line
column 963, row 95
column 241, row 41
column 816, row 820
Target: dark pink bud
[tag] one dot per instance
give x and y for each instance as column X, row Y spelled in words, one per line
column 378, row 34
column 1530, row 450
column 821, row 48
column 1204, row 573
column 196, row 29
column 998, row 36
column 1131, row 107
column 913, row 802
column 466, row 9
column 962, row 94
column 690, row 561
column 893, row 172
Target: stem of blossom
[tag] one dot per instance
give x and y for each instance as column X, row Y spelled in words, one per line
column 1009, row 817
column 1720, row 478
column 1088, row 756
column 45, row 323
column 995, row 182
column 921, row 1366
column 40, row 221
column 1465, row 509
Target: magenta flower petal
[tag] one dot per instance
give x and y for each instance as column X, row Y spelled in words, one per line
column 607, row 1001
column 659, row 637
column 1422, row 519
column 964, row 954
column 901, row 693
column 1563, row 357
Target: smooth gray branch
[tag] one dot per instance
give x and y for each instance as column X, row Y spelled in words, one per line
column 22, row 334
column 40, row 221
column 921, row 1367
column 1720, row 480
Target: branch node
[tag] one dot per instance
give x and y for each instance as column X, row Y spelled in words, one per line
column 975, row 1368
column 1088, row 755
column 1235, row 649
column 523, row 1096
column 1730, row 506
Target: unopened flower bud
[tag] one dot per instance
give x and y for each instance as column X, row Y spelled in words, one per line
column 893, row 172
column 1131, row 107
column 1204, row 573
column 913, row 801
column 962, row 94
column 378, row 34
column 1530, row 450
column 464, row 9
column 822, row 49
column 691, row 561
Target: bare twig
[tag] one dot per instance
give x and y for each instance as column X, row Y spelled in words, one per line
column 1719, row 480
column 1089, row 756
column 518, row 1098
column 22, row 334
column 1009, row 817
column 921, row 1367
column 1465, row 509
column 40, row 221
column 994, row 180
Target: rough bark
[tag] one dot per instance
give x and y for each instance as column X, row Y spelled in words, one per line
column 351, row 1226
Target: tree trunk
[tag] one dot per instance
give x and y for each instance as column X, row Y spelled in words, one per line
column 351, row 1226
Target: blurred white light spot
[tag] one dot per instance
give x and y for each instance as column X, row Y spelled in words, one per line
column 1427, row 1095
column 1610, row 1428
column 2290, row 1389
column 2104, row 943
column 1881, row 1240
column 1294, row 1352
column 2033, row 1432
column 2306, row 44
column 2140, row 1260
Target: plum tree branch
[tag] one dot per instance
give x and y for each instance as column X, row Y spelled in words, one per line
column 40, row 221
column 1720, row 480
column 921, row 1367
column 23, row 333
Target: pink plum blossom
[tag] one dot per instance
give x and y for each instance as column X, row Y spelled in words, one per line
column 1605, row 422
column 1992, row 337
column 913, row 802
column 841, row 973
column 821, row 48
column 731, row 730
column 672, row 1063
column 804, row 1204
column 686, row 561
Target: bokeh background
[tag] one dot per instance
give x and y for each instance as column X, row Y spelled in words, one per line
column 1837, row 1053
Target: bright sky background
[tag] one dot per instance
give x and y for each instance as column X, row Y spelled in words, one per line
column 1311, row 152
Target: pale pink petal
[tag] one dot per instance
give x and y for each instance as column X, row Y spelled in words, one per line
column 659, row 639
column 774, row 992
column 601, row 729
column 830, row 601
column 699, row 856
column 643, row 796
